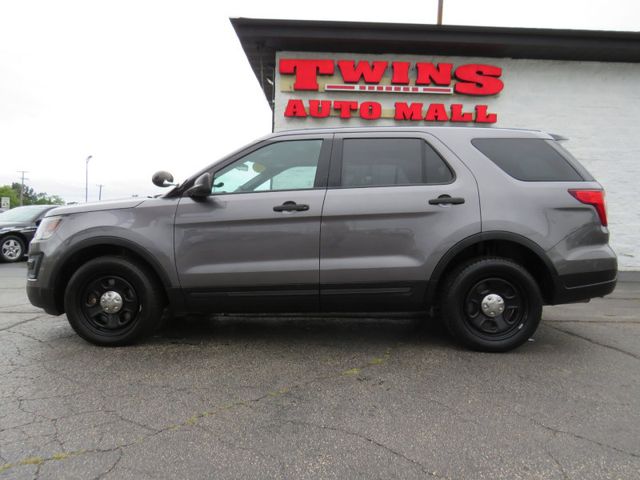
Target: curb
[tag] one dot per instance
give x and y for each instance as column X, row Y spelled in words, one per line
column 628, row 276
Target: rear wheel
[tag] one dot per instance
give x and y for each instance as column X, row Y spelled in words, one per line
column 12, row 249
column 113, row 301
column 491, row 304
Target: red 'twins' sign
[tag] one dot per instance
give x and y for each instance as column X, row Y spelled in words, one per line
column 471, row 79
column 366, row 77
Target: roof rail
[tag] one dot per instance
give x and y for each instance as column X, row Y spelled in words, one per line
column 559, row 138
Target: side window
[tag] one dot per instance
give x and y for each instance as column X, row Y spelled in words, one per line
column 289, row 165
column 294, row 178
column 528, row 159
column 436, row 171
column 369, row 162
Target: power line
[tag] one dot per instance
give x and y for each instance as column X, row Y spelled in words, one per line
column 22, row 183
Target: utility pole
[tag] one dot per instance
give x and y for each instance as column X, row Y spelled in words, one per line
column 440, row 6
column 100, row 191
column 22, row 184
column 86, row 179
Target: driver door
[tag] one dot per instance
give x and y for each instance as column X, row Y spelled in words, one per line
column 254, row 243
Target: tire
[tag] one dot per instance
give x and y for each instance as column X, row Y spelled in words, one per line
column 12, row 249
column 99, row 319
column 472, row 312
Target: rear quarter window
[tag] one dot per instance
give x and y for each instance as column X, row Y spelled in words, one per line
column 528, row 159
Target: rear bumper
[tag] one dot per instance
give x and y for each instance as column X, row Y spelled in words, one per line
column 582, row 272
column 42, row 298
column 578, row 293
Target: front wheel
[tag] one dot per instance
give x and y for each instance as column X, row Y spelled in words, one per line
column 12, row 249
column 491, row 304
column 113, row 301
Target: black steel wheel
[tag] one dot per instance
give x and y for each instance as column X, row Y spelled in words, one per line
column 491, row 304
column 113, row 301
column 495, row 307
column 110, row 304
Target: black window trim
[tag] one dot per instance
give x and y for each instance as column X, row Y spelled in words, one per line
column 335, row 168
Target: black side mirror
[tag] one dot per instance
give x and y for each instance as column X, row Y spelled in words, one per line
column 201, row 188
column 162, row 179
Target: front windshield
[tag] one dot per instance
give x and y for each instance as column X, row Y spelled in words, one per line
column 22, row 214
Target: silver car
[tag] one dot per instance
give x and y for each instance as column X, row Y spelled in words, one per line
column 479, row 227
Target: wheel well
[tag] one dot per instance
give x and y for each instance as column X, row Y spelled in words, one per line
column 89, row 253
column 506, row 249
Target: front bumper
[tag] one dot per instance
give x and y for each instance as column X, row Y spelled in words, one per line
column 40, row 289
column 43, row 298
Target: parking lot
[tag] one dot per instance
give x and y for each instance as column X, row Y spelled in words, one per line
column 320, row 397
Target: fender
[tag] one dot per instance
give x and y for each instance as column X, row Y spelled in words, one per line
column 446, row 259
column 118, row 242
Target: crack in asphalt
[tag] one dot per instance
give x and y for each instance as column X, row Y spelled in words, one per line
column 556, row 431
column 596, row 322
column 255, row 451
column 30, row 337
column 558, row 464
column 112, row 467
column 39, row 461
column 20, row 322
column 595, row 342
column 21, row 312
column 191, row 421
column 27, row 304
column 396, row 453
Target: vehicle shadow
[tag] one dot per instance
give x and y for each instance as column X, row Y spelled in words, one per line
column 300, row 329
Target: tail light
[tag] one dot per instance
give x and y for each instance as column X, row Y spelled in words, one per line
column 595, row 198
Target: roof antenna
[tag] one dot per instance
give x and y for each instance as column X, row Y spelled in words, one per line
column 440, row 2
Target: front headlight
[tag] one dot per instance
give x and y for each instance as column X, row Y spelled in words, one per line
column 47, row 227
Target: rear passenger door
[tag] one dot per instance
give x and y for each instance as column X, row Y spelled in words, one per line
column 396, row 203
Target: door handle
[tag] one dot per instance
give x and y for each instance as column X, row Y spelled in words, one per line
column 446, row 200
column 290, row 207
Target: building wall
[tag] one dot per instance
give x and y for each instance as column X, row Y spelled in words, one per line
column 596, row 105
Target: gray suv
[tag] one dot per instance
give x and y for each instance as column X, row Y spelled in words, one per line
column 478, row 227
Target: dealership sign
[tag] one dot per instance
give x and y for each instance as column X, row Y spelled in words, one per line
column 356, row 88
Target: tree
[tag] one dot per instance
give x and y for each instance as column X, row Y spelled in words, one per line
column 7, row 191
column 29, row 196
column 43, row 198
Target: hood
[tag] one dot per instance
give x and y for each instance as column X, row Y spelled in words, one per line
column 13, row 225
column 96, row 206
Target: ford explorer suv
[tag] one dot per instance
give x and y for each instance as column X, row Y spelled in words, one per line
column 479, row 227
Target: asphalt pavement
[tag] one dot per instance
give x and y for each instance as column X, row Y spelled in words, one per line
column 321, row 397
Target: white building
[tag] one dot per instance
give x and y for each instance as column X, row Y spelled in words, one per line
column 583, row 85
